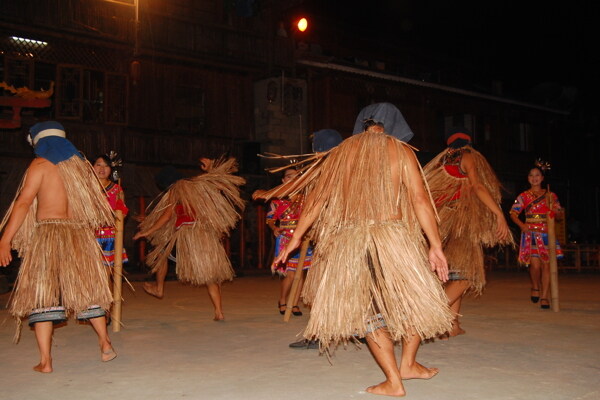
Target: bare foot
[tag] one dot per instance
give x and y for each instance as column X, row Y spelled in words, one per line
column 44, row 367
column 152, row 290
column 219, row 317
column 456, row 330
column 387, row 388
column 107, row 353
column 417, row 371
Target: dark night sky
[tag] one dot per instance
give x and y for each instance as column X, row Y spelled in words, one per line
column 523, row 43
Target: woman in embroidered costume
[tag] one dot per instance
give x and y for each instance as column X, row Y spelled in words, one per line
column 282, row 218
column 467, row 196
column 533, row 250
column 195, row 214
column 50, row 223
column 114, row 194
column 371, row 274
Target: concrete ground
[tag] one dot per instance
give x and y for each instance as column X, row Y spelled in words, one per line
column 171, row 349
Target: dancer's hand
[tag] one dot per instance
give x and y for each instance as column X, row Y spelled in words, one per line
column 438, row 263
column 140, row 235
column 205, row 164
column 502, row 231
column 138, row 217
column 291, row 246
column 257, row 194
column 5, row 254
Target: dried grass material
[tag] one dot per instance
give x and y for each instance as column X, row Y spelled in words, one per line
column 365, row 270
column 64, row 267
column 86, row 197
column 466, row 224
column 201, row 258
column 214, row 200
column 365, row 262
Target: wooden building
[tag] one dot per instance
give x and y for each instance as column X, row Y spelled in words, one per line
column 167, row 81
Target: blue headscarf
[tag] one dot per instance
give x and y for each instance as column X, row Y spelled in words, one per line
column 49, row 142
column 388, row 114
column 326, row 139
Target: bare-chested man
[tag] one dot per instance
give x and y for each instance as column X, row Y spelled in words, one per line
column 51, row 224
column 372, row 275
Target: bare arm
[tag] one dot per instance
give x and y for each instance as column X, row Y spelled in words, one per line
column 425, row 215
column 468, row 165
column 164, row 218
column 271, row 221
column 31, row 186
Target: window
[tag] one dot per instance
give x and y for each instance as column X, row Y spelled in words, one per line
column 525, row 137
column 69, row 93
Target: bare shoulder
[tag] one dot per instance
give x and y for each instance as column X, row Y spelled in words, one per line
column 467, row 161
column 40, row 163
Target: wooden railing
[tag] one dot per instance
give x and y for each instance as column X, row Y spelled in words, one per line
column 577, row 257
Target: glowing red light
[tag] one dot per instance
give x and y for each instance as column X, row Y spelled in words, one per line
column 302, row 24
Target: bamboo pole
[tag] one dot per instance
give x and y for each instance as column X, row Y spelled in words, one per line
column 118, row 268
column 552, row 251
column 242, row 242
column 260, row 216
column 297, row 279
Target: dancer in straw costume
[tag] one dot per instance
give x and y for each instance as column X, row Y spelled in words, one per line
column 372, row 274
column 51, row 224
column 195, row 214
column 467, row 196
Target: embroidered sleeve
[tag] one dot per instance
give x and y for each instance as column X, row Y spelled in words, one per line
column 518, row 205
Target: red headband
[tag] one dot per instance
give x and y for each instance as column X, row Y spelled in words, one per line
column 458, row 135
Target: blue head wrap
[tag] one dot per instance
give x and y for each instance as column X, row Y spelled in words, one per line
column 388, row 114
column 49, row 142
column 326, row 139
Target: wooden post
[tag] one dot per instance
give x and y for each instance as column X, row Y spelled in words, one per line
column 297, row 279
column 260, row 224
column 118, row 271
column 552, row 251
column 242, row 242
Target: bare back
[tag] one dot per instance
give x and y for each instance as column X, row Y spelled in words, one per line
column 51, row 194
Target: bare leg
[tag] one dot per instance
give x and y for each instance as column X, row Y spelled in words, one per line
column 298, row 292
column 43, row 336
column 106, row 349
column 214, row 292
column 382, row 347
column 456, row 328
column 409, row 367
column 535, row 272
column 455, row 291
column 158, row 289
column 286, row 285
column 545, row 294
